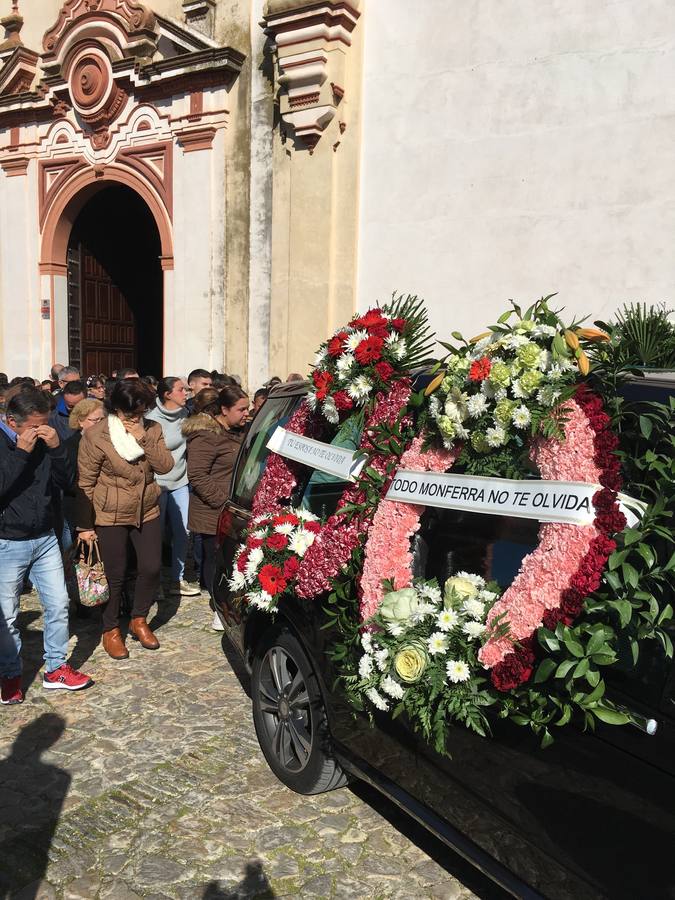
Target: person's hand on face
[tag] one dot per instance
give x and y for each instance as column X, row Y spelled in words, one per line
column 134, row 427
column 27, row 439
column 48, row 435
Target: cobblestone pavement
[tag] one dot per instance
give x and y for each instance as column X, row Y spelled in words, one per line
column 151, row 784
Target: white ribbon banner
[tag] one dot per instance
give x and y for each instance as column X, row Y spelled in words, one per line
column 565, row 502
column 326, row 458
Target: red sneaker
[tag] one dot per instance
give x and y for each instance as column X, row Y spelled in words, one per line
column 11, row 690
column 65, row 678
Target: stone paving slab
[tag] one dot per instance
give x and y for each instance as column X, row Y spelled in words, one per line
column 151, row 784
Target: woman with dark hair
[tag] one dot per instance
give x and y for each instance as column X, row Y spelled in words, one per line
column 96, row 387
column 213, row 435
column 117, row 463
column 170, row 413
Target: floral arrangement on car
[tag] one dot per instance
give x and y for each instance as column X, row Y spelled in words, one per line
column 530, row 397
column 268, row 560
column 366, row 356
column 419, row 654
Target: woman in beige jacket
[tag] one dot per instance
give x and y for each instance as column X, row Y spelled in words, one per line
column 117, row 463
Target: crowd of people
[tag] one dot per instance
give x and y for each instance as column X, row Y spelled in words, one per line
column 131, row 463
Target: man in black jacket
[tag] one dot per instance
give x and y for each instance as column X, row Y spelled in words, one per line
column 32, row 469
column 59, row 418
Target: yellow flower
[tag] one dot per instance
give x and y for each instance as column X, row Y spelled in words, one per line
column 410, row 662
column 459, row 588
column 572, row 340
column 592, row 334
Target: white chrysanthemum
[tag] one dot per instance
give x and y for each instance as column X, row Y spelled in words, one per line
column 458, row 671
column 261, row 600
column 305, row 515
column 434, row 405
column 395, row 629
column 390, row 686
column 420, row 613
column 487, row 390
column 285, row 528
column 447, row 619
column 397, row 346
column 555, row 373
column 500, row 394
column 344, row 364
column 367, row 641
column 329, row 409
column 320, row 356
column 301, row 541
column 310, row 400
column 488, row 596
column 548, row 395
column 517, row 390
column 496, row 436
column 355, row 338
column 474, row 579
column 543, row 331
column 437, row 643
column 360, row 388
column 377, row 699
column 237, row 582
column 453, row 411
column 473, row 629
column 260, row 533
column 545, row 360
column 430, row 592
column 513, row 341
column 253, row 563
column 474, row 608
column 366, row 666
column 476, row 405
column 381, row 657
column 521, row 417
column 481, row 345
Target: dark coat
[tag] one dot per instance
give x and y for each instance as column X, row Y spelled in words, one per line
column 211, row 455
column 59, row 419
column 29, row 483
column 122, row 492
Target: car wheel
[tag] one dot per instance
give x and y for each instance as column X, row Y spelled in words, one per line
column 290, row 717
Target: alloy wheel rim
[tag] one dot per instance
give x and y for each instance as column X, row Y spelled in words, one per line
column 285, row 708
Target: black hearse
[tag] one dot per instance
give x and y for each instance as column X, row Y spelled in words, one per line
column 591, row 816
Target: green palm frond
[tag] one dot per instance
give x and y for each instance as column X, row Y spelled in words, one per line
column 420, row 338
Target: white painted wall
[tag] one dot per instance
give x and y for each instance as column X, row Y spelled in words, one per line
column 516, row 148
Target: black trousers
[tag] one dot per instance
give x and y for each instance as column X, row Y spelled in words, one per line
column 208, row 560
column 114, row 543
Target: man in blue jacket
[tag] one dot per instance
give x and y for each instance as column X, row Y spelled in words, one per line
column 33, row 468
column 70, row 396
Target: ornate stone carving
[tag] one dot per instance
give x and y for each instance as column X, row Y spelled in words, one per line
column 200, row 14
column 137, row 19
column 19, row 71
column 311, row 44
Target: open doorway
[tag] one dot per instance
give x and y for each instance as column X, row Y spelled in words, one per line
column 115, row 303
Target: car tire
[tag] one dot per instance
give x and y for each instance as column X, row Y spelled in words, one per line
column 290, row 717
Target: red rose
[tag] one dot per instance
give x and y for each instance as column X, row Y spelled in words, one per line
column 342, row 400
column 480, row 369
column 398, row 324
column 336, row 344
column 277, row 541
column 322, row 382
column 242, row 560
column 384, row 370
column 291, row 567
column 314, row 527
column 369, row 351
column 272, row 579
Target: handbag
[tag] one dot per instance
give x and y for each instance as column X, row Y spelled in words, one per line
column 91, row 581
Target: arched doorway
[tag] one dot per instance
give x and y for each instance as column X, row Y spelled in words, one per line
column 115, row 302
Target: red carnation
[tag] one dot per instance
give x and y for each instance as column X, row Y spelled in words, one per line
column 242, row 560
column 515, row 669
column 277, row 541
column 384, row 370
column 291, row 567
column 322, row 382
column 336, row 344
column 314, row 527
column 253, row 542
column 369, row 351
column 272, row 579
column 398, row 324
column 480, row 369
column 342, row 400
column 287, row 519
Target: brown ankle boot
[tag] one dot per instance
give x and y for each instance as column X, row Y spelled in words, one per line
column 114, row 645
column 140, row 630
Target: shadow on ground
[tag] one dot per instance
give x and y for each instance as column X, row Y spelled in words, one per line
column 32, row 794
column 254, row 884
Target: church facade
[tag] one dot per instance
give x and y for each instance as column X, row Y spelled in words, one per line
column 221, row 183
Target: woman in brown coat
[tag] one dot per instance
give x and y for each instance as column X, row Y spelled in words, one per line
column 213, row 436
column 117, row 463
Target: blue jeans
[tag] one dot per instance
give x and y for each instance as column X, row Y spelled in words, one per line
column 41, row 559
column 174, row 504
